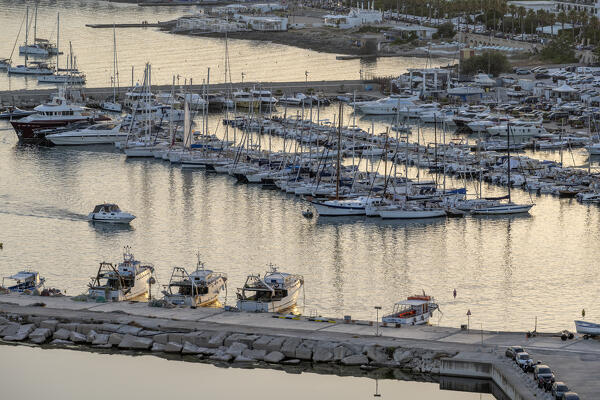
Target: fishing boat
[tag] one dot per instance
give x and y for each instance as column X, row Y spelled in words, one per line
column 24, row 280
column 110, row 213
column 130, row 280
column 275, row 291
column 587, row 328
column 198, row 289
column 415, row 310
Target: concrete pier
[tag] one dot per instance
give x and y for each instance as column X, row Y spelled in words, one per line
column 326, row 88
column 424, row 349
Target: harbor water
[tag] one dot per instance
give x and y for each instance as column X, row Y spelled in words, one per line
column 170, row 55
column 156, row 378
column 508, row 271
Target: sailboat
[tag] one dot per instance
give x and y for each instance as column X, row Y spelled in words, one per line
column 114, row 80
column 72, row 75
column 37, row 68
column 39, row 47
column 341, row 207
column 509, row 207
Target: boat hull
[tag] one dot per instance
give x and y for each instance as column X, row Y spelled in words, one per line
column 411, row 214
column 274, row 306
column 503, row 210
column 587, row 328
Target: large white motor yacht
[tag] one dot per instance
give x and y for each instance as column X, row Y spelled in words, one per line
column 388, row 105
column 94, row 134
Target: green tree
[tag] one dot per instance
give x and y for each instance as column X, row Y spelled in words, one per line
column 559, row 51
column 494, row 62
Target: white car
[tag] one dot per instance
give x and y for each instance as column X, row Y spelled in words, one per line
column 523, row 360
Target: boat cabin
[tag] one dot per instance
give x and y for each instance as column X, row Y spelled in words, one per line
column 24, row 280
column 107, row 208
column 412, row 306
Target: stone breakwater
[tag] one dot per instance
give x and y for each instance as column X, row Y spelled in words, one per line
column 215, row 345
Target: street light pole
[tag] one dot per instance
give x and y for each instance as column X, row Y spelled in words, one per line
column 377, row 308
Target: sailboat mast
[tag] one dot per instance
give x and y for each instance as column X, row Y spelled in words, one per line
column 337, row 181
column 114, row 64
column 57, row 39
column 35, row 25
column 508, row 152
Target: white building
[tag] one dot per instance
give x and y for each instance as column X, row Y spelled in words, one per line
column 355, row 18
column 592, row 7
column 265, row 24
column 535, row 6
column 405, row 31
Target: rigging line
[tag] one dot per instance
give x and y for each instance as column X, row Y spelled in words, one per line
column 17, row 39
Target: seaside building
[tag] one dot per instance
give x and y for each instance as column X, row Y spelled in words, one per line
column 590, row 6
column 355, row 18
column 406, row 31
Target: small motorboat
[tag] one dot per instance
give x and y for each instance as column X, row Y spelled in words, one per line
column 274, row 292
column 198, row 289
column 587, row 328
column 24, row 280
column 109, row 212
column 415, row 310
column 307, row 214
column 130, row 280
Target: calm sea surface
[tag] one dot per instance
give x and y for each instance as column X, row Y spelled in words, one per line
column 68, row 374
column 170, row 55
column 507, row 271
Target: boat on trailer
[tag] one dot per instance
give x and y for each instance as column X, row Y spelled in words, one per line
column 129, row 280
column 24, row 280
column 200, row 288
column 274, row 292
column 587, row 328
column 415, row 310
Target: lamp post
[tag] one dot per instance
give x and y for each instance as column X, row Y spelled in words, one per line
column 306, row 76
column 243, row 75
column 468, row 320
column 377, row 308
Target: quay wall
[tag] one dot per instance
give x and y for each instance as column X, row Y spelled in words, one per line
column 243, row 338
column 472, row 367
column 326, row 88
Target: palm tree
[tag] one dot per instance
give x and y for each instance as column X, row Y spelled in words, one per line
column 521, row 11
column 551, row 22
column 573, row 14
column 562, row 18
column 513, row 10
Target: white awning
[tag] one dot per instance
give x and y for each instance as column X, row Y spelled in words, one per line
column 21, row 276
column 412, row 302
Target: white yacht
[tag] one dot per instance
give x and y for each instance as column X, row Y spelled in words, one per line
column 484, row 80
column 275, row 291
column 33, row 68
column 263, row 98
column 69, row 78
column 517, row 129
column 130, row 280
column 108, row 212
column 388, row 105
column 409, row 211
column 415, row 310
column 111, row 106
column 104, row 133
column 343, row 207
column 198, row 289
column 502, row 209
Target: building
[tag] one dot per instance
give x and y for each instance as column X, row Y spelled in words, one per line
column 535, row 6
column 355, row 18
column 264, row 24
column 406, row 31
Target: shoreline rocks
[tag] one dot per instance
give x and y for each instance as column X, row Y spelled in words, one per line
column 221, row 346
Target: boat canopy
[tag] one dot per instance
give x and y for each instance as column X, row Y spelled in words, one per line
column 107, row 208
column 21, row 276
column 412, row 302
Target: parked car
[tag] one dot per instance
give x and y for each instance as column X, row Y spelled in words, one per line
column 522, row 71
column 523, row 360
column 558, row 390
column 542, row 75
column 543, row 375
column 512, row 351
column 570, row 396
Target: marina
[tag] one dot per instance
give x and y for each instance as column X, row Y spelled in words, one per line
column 360, row 214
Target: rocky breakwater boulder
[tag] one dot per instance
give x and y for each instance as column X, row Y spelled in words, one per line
column 222, row 346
